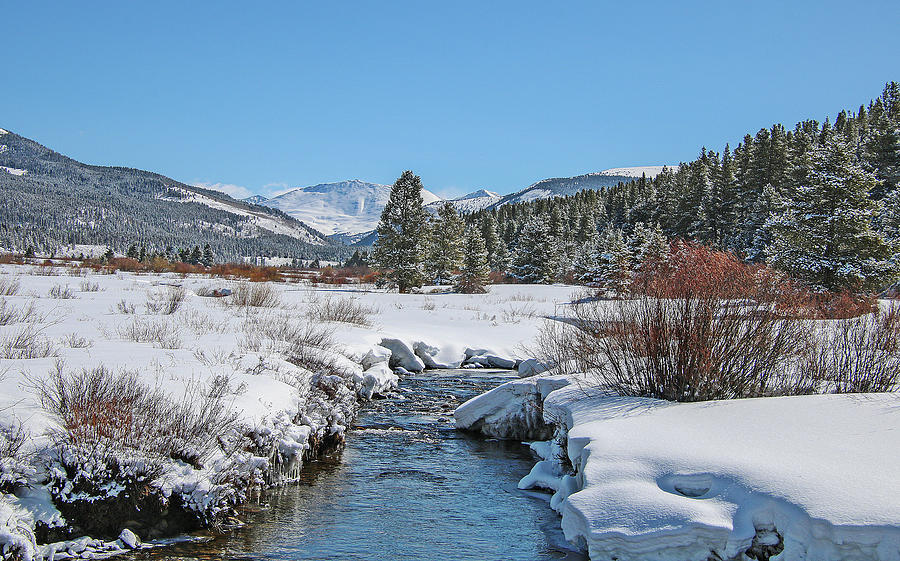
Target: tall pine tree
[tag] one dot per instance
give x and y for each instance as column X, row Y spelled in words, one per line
column 398, row 252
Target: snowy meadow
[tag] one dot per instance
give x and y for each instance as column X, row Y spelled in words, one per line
column 139, row 406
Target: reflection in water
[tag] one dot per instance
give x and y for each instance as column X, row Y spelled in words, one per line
column 407, row 487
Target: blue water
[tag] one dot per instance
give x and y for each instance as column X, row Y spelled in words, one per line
column 408, row 486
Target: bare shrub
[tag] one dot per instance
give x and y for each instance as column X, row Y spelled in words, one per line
column 61, row 292
column 10, row 314
column 75, row 341
column 301, row 343
column 14, row 461
column 340, row 310
column 428, row 304
column 166, row 301
column 687, row 349
column 125, row 307
column 25, row 343
column 857, row 355
column 161, row 333
column 106, row 412
column 256, row 295
column 202, row 323
column 9, row 287
column 514, row 314
column 88, row 286
column 702, row 325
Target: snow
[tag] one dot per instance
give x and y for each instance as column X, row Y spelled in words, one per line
column 257, row 220
column 661, row 480
column 346, row 207
column 13, row 171
column 272, row 397
column 471, row 202
column 2, row 132
column 637, row 171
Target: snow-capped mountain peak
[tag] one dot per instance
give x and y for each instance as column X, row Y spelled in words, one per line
column 351, row 206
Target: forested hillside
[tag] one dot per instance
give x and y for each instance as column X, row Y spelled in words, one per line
column 48, row 201
column 820, row 201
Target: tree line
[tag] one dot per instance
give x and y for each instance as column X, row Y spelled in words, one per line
column 820, row 201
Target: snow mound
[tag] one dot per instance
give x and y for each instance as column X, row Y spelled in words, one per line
column 14, row 171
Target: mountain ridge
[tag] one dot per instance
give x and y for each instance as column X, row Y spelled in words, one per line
column 58, row 201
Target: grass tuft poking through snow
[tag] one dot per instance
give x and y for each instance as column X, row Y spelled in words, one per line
column 255, row 295
column 161, row 333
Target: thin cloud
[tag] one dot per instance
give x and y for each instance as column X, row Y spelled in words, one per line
column 235, row 191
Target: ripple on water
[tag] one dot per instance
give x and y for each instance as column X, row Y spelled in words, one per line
column 408, row 486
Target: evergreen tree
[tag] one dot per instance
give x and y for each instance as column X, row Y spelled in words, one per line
column 826, row 237
column 498, row 256
column 208, row 258
column 398, row 252
column 614, row 270
column 474, row 274
column 445, row 244
column 532, row 261
column 132, row 252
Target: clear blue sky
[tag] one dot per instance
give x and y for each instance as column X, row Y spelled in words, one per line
column 469, row 95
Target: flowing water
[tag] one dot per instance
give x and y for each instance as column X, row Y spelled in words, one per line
column 408, row 486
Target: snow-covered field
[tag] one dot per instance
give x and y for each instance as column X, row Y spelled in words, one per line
column 813, row 477
column 809, row 477
column 71, row 323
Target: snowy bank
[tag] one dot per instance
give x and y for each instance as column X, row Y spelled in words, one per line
column 809, row 477
column 292, row 383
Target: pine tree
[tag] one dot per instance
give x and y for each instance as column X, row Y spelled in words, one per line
column 398, row 252
column 208, row 258
column 474, row 274
column 532, row 255
column 498, row 256
column 614, row 262
column 445, row 244
column 826, row 238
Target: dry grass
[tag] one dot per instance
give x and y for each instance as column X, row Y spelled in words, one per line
column 61, row 292
column 9, row 286
column 254, row 295
column 88, row 286
column 857, row 355
column 25, row 343
column 112, row 412
column 165, row 301
column 161, row 333
column 75, row 341
column 301, row 343
column 125, row 307
column 340, row 310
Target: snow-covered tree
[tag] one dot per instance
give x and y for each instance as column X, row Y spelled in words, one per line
column 826, row 237
column 614, row 271
column 398, row 253
column 473, row 277
column 533, row 254
column 498, row 256
column 445, row 244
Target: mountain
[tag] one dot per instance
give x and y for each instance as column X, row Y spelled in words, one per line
column 48, row 201
column 362, row 239
column 346, row 207
column 255, row 200
column 469, row 203
column 563, row 186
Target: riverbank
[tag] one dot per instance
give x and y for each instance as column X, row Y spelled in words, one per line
column 407, row 485
column 258, row 379
column 807, row 477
